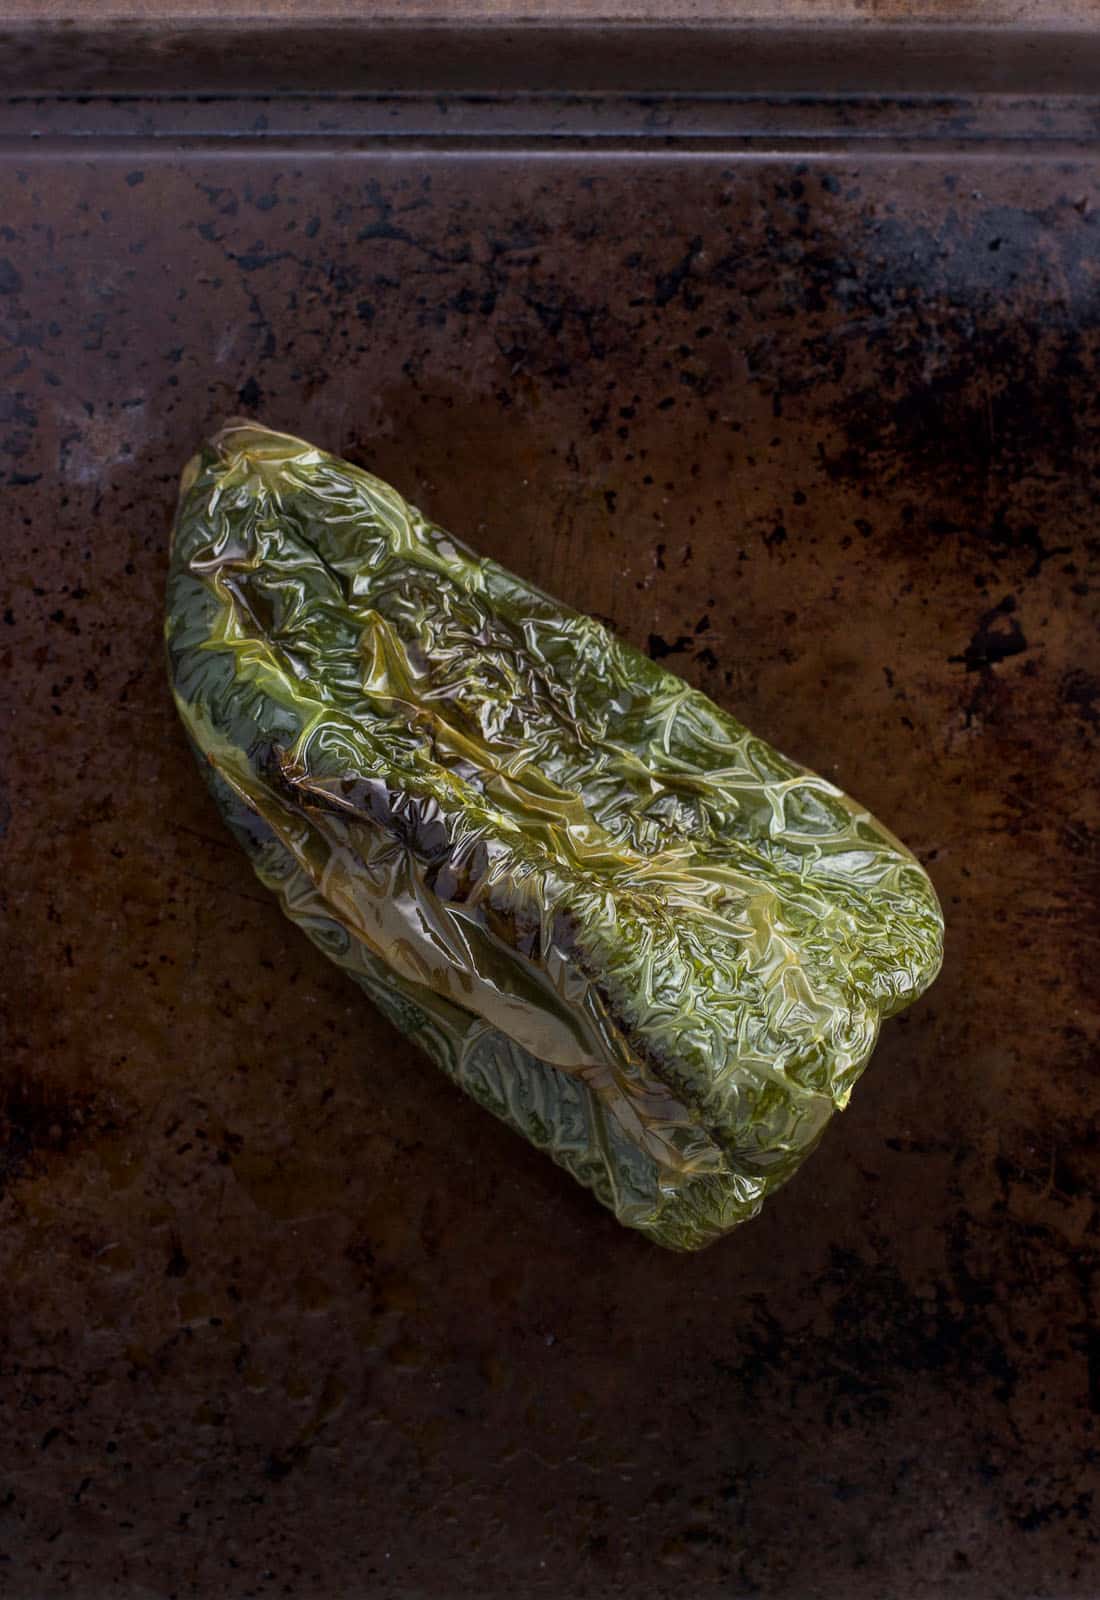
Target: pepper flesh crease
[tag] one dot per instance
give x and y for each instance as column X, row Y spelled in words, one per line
column 620, row 921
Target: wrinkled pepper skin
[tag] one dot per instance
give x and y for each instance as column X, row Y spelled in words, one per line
column 628, row 927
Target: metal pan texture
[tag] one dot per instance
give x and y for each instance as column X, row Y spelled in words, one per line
column 775, row 348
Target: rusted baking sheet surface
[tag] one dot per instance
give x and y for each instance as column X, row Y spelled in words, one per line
column 801, row 393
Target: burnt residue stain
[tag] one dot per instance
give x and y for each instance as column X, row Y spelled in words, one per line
column 883, row 1336
column 998, row 636
column 1080, row 692
column 669, row 284
column 958, row 350
column 250, row 395
column 658, row 647
column 39, row 1119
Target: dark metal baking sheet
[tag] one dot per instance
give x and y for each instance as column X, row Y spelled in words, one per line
column 799, row 389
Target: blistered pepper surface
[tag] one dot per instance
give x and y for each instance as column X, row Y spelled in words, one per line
column 623, row 923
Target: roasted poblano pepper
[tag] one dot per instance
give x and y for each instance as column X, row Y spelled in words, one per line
column 617, row 919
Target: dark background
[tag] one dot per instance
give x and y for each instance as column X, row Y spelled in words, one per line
column 281, row 1312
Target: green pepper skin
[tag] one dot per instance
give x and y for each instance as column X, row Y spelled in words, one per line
column 621, row 922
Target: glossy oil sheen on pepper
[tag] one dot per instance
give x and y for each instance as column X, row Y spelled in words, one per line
column 620, row 921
